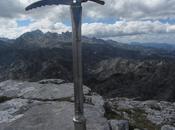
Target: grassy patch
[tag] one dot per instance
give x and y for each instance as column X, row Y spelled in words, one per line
column 139, row 116
column 112, row 115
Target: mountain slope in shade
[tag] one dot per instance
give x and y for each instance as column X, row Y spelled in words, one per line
column 148, row 79
column 163, row 46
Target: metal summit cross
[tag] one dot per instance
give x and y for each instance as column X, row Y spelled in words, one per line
column 76, row 15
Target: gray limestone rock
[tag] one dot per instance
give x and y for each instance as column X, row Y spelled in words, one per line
column 157, row 112
column 34, row 90
column 119, row 124
column 33, row 107
column 53, row 116
column 167, row 127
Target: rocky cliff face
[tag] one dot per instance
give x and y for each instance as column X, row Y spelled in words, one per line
column 148, row 79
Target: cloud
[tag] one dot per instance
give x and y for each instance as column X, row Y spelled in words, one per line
column 119, row 9
column 101, row 30
column 10, row 8
column 133, row 9
column 125, row 28
column 10, row 28
column 135, row 19
column 146, row 38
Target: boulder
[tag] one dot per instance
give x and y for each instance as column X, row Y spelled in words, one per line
column 119, row 124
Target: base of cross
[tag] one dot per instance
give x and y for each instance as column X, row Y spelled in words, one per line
column 80, row 124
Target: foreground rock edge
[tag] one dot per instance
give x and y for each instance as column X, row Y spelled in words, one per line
column 41, row 105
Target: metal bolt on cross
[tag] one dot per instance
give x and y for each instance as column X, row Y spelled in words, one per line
column 76, row 16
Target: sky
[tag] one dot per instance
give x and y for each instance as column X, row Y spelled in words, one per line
column 121, row 20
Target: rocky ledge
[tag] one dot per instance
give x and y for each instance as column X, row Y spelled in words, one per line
column 49, row 105
column 46, row 105
column 150, row 114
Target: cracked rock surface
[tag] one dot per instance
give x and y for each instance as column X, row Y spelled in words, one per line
column 37, row 90
column 49, row 105
column 46, row 106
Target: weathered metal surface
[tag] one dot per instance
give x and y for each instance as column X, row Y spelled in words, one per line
column 76, row 14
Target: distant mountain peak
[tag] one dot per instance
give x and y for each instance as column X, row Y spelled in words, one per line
column 32, row 34
column 67, row 33
column 37, row 31
column 50, row 39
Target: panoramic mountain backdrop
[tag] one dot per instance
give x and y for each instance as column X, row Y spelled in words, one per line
column 136, row 70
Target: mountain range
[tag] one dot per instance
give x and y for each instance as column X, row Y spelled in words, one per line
column 110, row 68
column 163, row 46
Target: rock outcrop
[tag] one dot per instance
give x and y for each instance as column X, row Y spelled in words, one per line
column 46, row 106
column 119, row 124
column 167, row 127
column 144, row 80
column 149, row 114
column 49, row 105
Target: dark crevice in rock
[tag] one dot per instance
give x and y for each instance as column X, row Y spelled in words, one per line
column 52, row 81
column 110, row 127
column 4, row 99
column 68, row 99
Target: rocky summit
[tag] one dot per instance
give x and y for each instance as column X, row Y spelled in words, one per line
column 45, row 106
column 49, row 105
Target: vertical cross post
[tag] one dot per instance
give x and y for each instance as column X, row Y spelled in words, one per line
column 76, row 16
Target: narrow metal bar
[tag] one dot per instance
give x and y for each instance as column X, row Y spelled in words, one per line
column 76, row 15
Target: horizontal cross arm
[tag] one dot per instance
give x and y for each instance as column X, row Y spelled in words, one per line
column 96, row 1
column 48, row 2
